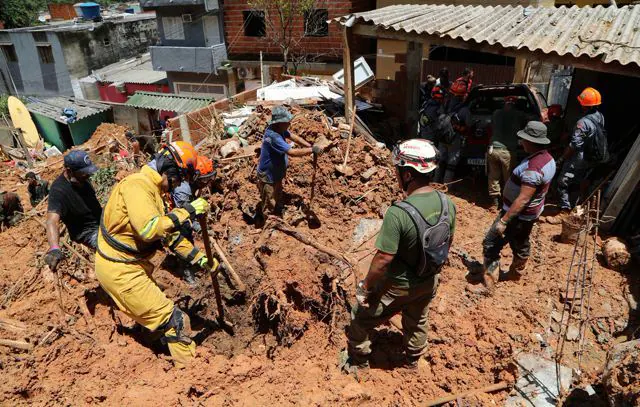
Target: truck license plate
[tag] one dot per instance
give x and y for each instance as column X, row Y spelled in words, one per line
column 476, row 161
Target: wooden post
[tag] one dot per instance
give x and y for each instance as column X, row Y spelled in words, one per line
column 414, row 72
column 349, row 82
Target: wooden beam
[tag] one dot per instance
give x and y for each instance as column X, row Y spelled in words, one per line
column 583, row 62
column 622, row 186
column 349, row 81
column 412, row 95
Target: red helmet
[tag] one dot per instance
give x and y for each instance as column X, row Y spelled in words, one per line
column 437, row 93
column 554, row 111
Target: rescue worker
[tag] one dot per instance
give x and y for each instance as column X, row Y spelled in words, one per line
column 455, row 127
column 37, row 187
column 181, row 196
column 11, row 210
column 274, row 160
column 430, row 116
column 462, row 86
column 587, row 147
column 402, row 278
column 73, row 201
column 522, row 203
column 501, row 155
column 134, row 226
column 425, row 89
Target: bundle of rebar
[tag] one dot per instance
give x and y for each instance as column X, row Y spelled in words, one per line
column 579, row 284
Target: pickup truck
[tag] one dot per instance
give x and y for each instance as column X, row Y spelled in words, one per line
column 483, row 100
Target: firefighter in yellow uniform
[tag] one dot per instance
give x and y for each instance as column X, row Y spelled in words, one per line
column 133, row 227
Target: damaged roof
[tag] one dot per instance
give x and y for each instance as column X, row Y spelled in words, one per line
column 610, row 34
column 53, row 107
column 168, row 101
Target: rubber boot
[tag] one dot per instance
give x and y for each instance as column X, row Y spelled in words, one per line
column 181, row 353
column 491, row 275
column 517, row 268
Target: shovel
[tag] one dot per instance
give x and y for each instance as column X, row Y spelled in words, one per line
column 224, row 324
column 343, row 168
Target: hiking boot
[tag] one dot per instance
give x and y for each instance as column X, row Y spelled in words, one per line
column 412, row 362
column 350, row 364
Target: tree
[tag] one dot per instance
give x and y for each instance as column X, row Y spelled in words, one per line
column 281, row 18
column 20, row 13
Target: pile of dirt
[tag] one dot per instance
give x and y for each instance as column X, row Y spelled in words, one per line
column 621, row 377
column 300, row 274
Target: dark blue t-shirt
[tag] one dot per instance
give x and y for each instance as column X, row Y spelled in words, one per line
column 273, row 156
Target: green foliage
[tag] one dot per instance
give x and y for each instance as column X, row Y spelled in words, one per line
column 20, row 13
column 103, row 180
column 4, row 105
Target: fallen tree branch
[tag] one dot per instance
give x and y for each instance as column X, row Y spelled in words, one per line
column 16, row 344
column 486, row 389
column 12, row 325
column 68, row 247
column 278, row 224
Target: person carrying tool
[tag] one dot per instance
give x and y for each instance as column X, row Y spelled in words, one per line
column 134, row 226
column 413, row 244
column 73, row 200
column 37, row 187
column 181, row 196
column 11, row 211
column 587, row 148
column 522, row 203
column 431, row 115
column 501, row 155
column 274, row 160
column 455, row 126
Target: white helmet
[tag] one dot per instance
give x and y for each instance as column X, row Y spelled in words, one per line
column 417, row 153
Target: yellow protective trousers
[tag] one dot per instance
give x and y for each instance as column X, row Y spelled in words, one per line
column 136, row 294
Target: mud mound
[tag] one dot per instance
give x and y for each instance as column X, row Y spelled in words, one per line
column 622, row 374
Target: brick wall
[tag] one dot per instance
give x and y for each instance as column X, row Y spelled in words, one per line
column 328, row 48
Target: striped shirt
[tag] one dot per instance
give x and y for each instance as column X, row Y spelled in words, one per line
column 536, row 171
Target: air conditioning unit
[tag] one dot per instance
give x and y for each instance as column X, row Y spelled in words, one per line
column 186, row 18
column 246, row 73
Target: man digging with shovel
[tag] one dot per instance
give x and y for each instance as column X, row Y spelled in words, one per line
column 274, row 160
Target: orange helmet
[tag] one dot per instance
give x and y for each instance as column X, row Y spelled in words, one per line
column 204, row 167
column 590, row 97
column 184, row 154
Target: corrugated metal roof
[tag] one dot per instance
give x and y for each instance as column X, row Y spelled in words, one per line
column 137, row 70
column 607, row 33
column 53, row 107
column 168, row 101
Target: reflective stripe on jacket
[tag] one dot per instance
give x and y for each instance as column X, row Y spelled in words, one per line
column 135, row 216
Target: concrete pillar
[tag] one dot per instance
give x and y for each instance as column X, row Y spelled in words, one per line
column 414, row 76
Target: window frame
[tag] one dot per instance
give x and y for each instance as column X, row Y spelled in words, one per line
column 169, row 28
column 45, row 54
column 247, row 15
column 11, row 55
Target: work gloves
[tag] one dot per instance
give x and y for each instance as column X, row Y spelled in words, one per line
column 204, row 264
column 53, row 257
column 498, row 228
column 198, row 207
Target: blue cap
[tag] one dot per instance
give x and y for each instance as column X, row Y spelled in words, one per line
column 79, row 161
column 280, row 114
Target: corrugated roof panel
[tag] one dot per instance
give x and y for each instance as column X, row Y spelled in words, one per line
column 136, row 70
column 608, row 33
column 168, row 101
column 53, row 107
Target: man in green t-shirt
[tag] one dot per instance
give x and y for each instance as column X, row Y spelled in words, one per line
column 394, row 284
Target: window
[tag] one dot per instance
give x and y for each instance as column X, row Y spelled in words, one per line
column 46, row 54
column 106, row 42
column 254, row 25
column 173, row 29
column 40, row 36
column 201, row 89
column 315, row 23
column 9, row 52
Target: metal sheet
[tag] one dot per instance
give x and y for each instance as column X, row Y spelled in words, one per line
column 609, row 34
column 167, row 101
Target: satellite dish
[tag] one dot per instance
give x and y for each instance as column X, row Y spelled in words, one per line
column 21, row 119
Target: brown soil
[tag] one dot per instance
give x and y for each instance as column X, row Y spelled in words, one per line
column 289, row 330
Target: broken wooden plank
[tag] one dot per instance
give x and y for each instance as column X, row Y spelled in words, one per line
column 12, row 325
column 16, row 344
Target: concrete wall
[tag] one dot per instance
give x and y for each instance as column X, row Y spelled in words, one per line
column 30, row 75
column 194, row 34
column 75, row 52
column 85, row 50
column 195, row 78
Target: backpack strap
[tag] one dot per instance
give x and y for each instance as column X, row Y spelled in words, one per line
column 444, row 212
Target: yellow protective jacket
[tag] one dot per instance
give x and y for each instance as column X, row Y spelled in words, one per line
column 134, row 222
